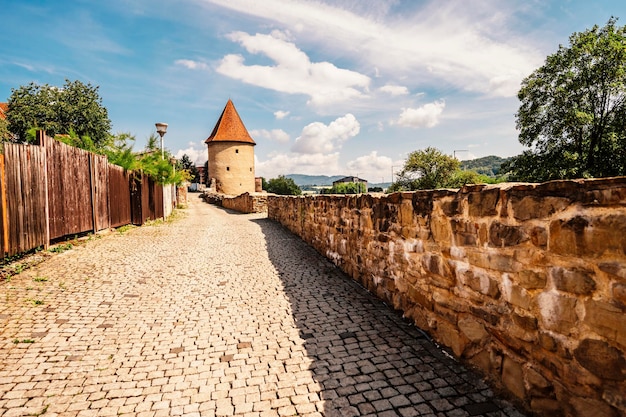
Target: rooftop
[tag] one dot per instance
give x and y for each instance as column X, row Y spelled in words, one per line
column 229, row 127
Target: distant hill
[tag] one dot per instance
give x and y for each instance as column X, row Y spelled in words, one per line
column 301, row 179
column 488, row 165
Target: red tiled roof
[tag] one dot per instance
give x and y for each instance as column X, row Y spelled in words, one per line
column 3, row 109
column 229, row 127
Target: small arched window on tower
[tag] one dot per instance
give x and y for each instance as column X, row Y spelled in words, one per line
column 236, row 150
column 250, row 169
column 227, row 168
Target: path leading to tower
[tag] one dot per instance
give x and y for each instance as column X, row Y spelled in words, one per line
column 216, row 314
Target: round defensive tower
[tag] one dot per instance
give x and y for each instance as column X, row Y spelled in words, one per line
column 231, row 154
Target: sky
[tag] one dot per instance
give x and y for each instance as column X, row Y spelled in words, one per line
column 325, row 87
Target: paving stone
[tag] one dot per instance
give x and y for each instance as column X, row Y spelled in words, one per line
column 216, row 314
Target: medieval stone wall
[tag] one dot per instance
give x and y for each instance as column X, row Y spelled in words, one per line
column 243, row 203
column 525, row 281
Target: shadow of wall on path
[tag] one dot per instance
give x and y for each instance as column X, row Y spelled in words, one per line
column 366, row 359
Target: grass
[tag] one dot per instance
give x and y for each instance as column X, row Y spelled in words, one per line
column 16, row 341
column 40, row 279
column 61, row 248
column 123, row 229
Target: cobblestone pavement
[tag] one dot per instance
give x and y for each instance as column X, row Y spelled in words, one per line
column 216, row 314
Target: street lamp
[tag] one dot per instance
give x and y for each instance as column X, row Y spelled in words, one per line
column 161, row 129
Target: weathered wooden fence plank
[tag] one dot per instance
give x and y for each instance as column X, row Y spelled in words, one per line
column 24, row 172
column 119, row 196
column 4, row 227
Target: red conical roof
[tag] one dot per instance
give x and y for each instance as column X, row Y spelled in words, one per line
column 229, row 127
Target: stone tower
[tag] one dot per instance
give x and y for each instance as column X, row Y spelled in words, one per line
column 231, row 154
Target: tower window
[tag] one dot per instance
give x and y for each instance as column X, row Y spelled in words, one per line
column 250, row 169
column 236, row 150
column 227, row 168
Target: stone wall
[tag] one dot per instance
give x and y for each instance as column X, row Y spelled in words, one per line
column 243, row 203
column 525, row 281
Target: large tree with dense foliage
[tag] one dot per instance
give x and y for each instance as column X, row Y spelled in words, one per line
column 573, row 110
column 75, row 108
column 283, row 186
column 187, row 164
column 426, row 169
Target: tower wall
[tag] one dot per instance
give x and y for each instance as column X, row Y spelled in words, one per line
column 232, row 166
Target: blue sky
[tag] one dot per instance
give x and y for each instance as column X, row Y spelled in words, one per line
column 335, row 87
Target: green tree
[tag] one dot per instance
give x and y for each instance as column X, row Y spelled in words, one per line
column 426, row 169
column 573, row 110
column 346, row 188
column 120, row 152
column 75, row 107
column 5, row 135
column 187, row 164
column 283, row 186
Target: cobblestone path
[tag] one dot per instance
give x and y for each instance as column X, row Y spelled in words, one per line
column 215, row 314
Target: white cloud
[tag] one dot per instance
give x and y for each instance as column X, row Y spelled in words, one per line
column 458, row 43
column 276, row 135
column 294, row 73
column 197, row 156
column 318, row 138
column 308, row 164
column 280, row 114
column 426, row 116
column 372, row 167
column 192, row 65
column 394, row 90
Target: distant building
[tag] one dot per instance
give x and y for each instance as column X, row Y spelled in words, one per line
column 3, row 110
column 349, row 180
column 231, row 154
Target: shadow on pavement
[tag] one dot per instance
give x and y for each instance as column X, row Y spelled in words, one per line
column 366, row 359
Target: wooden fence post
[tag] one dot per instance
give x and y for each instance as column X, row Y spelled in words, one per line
column 4, row 207
column 43, row 142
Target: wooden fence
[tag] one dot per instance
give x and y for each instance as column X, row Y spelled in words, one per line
column 52, row 190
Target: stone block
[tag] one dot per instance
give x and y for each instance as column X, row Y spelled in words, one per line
column 502, row 235
column 482, row 283
column 616, row 397
column 589, row 407
column 493, row 259
column 405, row 213
column 531, row 280
column 528, row 323
column 566, row 236
column 513, row 377
column 615, row 268
column 573, row 280
column 583, row 236
column 484, row 202
column 423, row 204
column 473, row 330
column 539, row 237
column 441, row 230
column 557, row 312
column 485, row 313
column 515, row 294
column 537, row 207
column 449, row 336
column 465, row 232
column 618, row 291
column 538, row 385
column 606, row 320
column 601, row 359
column 548, row 342
column 547, row 407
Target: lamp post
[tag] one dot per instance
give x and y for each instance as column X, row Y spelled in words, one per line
column 161, row 129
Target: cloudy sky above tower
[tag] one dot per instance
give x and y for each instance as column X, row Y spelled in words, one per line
column 334, row 87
